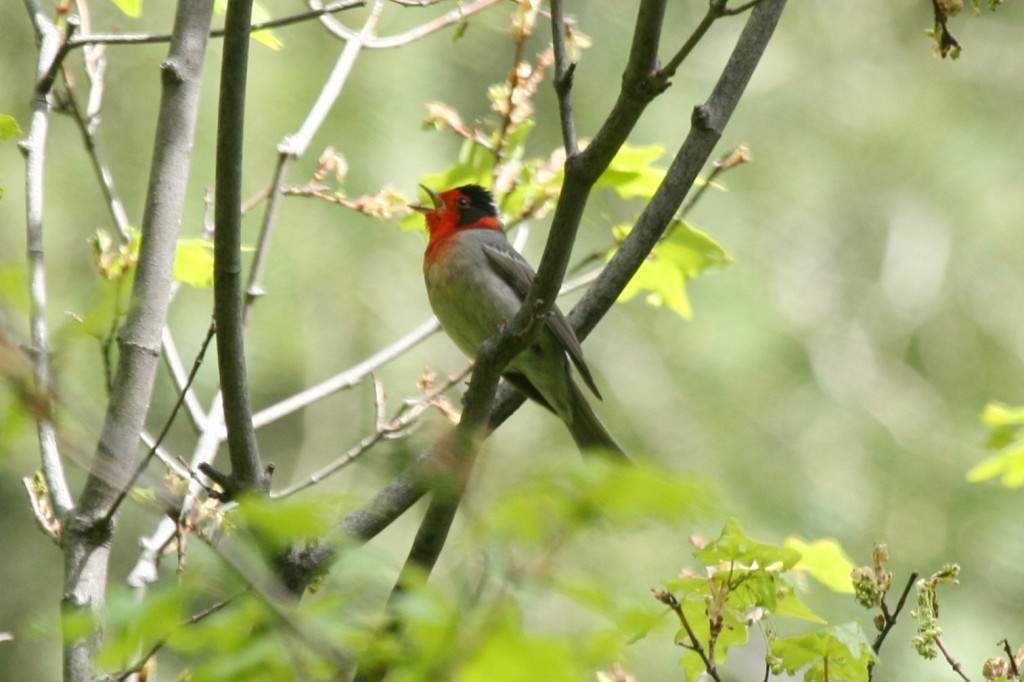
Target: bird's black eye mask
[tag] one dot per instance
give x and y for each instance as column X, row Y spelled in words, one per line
column 478, row 204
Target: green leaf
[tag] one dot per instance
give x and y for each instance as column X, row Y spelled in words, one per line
column 14, row 286
column 645, row 493
column 9, row 127
column 997, row 414
column 193, row 262
column 132, row 8
column 1007, row 439
column 734, row 547
column 837, row 654
column 1008, row 464
column 134, row 626
column 825, row 561
column 791, row 606
column 631, row 174
column 558, row 501
column 266, row 36
column 509, row 655
column 684, row 254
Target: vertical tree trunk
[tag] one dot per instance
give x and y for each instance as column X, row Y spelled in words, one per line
column 89, row 529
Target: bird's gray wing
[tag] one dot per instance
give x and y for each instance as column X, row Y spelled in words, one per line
column 514, row 269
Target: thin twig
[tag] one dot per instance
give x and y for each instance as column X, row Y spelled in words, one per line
column 695, row 645
column 216, row 607
column 347, row 379
column 396, row 427
column 564, row 70
column 296, row 145
column 144, row 462
column 1014, row 670
column 739, row 9
column 100, row 167
column 458, row 14
column 890, row 618
column 957, row 667
column 147, row 38
column 182, row 381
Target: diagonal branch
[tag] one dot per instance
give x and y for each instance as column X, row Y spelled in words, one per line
column 707, row 123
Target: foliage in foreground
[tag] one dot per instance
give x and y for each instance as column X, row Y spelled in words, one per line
column 552, row 543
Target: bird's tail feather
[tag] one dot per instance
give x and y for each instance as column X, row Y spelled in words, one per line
column 589, row 432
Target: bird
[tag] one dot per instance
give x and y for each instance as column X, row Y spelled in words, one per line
column 476, row 282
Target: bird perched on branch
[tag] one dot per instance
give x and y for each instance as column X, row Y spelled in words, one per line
column 476, row 282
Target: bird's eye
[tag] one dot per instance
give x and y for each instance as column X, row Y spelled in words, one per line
column 462, row 202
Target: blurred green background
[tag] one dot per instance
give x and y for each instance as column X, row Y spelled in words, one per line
column 830, row 383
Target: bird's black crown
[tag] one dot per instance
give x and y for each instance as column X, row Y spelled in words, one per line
column 480, row 198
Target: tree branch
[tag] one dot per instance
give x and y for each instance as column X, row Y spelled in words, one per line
column 34, row 149
column 564, row 70
column 246, row 469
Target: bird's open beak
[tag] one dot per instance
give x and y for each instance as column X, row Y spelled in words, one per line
column 434, row 197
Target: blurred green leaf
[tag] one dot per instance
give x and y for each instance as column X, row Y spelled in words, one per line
column 14, row 286
column 1007, row 439
column 791, row 606
column 193, row 262
column 9, row 127
column 565, row 500
column 284, row 521
column 267, row 36
column 684, row 254
column 997, row 414
column 104, row 313
column 132, row 8
column 509, row 655
column 1008, row 464
column 825, row 561
column 132, row 626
